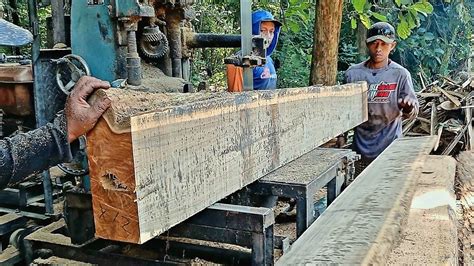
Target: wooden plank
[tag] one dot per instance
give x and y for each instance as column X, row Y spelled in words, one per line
column 150, row 171
column 363, row 223
column 430, row 235
column 450, row 97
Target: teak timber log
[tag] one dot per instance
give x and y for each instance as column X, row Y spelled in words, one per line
column 157, row 159
column 363, row 225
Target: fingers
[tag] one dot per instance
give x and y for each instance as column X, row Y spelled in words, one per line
column 406, row 101
column 98, row 108
column 86, row 85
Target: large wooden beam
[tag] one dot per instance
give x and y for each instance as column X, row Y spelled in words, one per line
column 157, row 159
column 363, row 224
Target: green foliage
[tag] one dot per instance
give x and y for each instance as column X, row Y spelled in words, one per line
column 441, row 44
column 405, row 14
column 433, row 36
column 296, row 43
column 22, row 12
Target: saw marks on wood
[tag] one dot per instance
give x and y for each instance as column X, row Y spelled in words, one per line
column 363, row 223
column 190, row 150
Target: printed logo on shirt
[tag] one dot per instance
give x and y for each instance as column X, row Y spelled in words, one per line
column 266, row 74
column 380, row 93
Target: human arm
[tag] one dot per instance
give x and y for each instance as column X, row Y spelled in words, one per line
column 34, row 151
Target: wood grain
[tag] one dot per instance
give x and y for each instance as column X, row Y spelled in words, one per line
column 183, row 158
column 112, row 184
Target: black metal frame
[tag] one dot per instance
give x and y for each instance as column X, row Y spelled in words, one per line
column 303, row 192
column 249, row 227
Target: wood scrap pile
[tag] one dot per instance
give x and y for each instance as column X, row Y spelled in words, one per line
column 445, row 110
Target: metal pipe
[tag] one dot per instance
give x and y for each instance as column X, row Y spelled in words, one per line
column 59, row 31
column 48, row 193
column 133, row 60
column 246, row 32
column 35, row 46
column 203, row 40
column 174, row 37
column 186, row 65
column 35, row 51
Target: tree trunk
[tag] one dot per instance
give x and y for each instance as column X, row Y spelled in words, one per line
column 361, row 44
column 327, row 28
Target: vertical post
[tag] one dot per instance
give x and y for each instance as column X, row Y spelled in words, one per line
column 48, row 193
column 331, row 191
column 133, row 60
column 35, row 50
column 33, row 16
column 59, row 32
column 262, row 247
column 174, row 37
column 15, row 19
column 246, row 32
column 186, row 66
column 304, row 213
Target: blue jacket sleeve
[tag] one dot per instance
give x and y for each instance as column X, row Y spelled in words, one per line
column 34, row 151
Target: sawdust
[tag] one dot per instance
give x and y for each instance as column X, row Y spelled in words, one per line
column 206, row 243
column 133, row 101
column 58, row 261
column 154, row 80
column 429, row 236
column 465, row 196
column 127, row 103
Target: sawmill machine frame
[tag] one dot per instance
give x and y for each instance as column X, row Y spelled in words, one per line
column 110, row 39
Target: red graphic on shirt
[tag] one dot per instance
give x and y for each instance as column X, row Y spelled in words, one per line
column 380, row 93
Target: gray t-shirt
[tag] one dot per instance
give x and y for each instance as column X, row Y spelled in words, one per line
column 386, row 86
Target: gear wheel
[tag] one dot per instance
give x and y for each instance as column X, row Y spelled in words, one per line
column 153, row 43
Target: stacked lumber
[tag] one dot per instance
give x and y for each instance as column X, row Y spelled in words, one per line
column 465, row 196
column 157, row 159
column 446, row 111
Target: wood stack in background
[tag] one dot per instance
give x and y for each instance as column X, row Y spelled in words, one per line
column 446, row 111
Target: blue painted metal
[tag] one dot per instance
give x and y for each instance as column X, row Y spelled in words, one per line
column 96, row 34
column 94, row 38
column 128, row 8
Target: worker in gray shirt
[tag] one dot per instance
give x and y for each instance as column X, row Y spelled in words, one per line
column 49, row 145
column 391, row 96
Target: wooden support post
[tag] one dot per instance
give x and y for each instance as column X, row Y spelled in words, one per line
column 157, row 159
